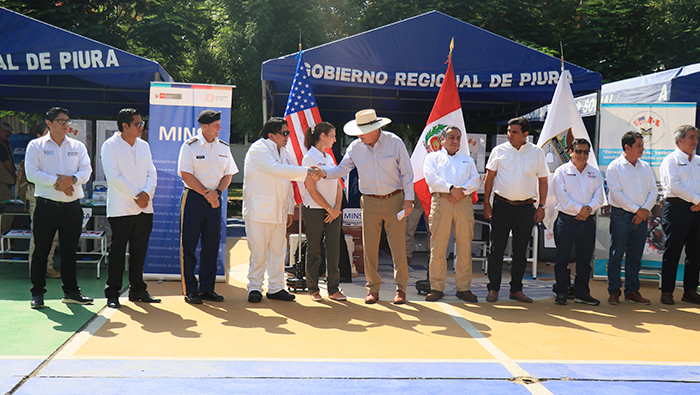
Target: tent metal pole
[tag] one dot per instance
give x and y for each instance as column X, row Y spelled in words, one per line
column 264, row 101
column 597, row 123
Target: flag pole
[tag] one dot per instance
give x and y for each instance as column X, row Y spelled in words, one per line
column 299, row 205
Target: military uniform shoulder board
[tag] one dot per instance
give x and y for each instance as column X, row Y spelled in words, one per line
column 191, row 141
column 224, row 143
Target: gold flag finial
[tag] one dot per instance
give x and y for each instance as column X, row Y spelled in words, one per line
column 452, row 46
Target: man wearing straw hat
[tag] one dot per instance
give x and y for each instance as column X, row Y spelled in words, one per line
column 386, row 184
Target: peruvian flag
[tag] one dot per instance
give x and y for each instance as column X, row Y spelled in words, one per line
column 447, row 111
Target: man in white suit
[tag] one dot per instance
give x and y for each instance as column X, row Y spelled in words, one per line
column 268, row 208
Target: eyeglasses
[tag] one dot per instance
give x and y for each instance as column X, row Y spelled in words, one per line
column 138, row 124
column 62, row 121
column 285, row 133
column 581, row 151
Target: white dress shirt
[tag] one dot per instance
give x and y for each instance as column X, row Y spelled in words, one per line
column 681, row 177
column 575, row 189
column 631, row 187
column 517, row 170
column 328, row 188
column 45, row 159
column 208, row 162
column 129, row 171
column 382, row 169
column 443, row 171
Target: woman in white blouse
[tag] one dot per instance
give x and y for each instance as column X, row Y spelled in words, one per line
column 322, row 213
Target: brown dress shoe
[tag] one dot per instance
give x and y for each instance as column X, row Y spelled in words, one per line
column 520, row 297
column 691, row 297
column 400, row 297
column 434, row 296
column 667, row 298
column 467, row 296
column 614, row 297
column 636, row 297
column 492, row 296
column 372, row 298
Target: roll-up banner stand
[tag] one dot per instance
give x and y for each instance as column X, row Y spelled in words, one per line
column 174, row 108
column 656, row 122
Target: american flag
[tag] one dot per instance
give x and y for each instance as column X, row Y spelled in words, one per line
column 301, row 113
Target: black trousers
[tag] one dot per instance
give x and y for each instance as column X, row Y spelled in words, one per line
column 67, row 219
column 135, row 230
column 506, row 217
column 199, row 220
column 682, row 229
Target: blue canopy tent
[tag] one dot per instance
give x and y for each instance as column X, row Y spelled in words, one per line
column 681, row 84
column 397, row 69
column 42, row 66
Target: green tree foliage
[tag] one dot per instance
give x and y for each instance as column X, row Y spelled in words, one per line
column 253, row 31
column 162, row 30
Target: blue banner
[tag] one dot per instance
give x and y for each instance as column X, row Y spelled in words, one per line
column 172, row 121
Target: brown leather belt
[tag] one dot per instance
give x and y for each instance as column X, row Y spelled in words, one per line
column 514, row 202
column 387, row 196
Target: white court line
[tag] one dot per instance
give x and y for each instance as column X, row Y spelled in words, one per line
column 84, row 335
column 501, row 357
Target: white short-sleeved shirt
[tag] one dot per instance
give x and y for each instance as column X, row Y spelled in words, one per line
column 208, row 162
column 328, row 188
column 517, row 170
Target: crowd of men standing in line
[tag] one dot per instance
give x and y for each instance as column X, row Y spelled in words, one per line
column 517, row 175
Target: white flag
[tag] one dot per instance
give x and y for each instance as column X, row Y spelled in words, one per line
column 562, row 125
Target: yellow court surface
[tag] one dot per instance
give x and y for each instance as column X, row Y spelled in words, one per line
column 421, row 346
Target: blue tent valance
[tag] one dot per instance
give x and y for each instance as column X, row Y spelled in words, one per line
column 42, row 66
column 397, row 69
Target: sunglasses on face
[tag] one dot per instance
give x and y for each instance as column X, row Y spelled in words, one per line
column 62, row 121
column 581, row 151
column 285, row 133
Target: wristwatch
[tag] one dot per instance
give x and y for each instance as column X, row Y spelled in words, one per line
column 308, row 171
column 218, row 191
column 75, row 179
column 451, row 186
column 542, row 206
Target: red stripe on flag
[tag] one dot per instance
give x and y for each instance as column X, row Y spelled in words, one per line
column 294, row 135
column 448, row 96
column 421, row 190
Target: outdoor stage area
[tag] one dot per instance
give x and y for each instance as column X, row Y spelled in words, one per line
column 343, row 347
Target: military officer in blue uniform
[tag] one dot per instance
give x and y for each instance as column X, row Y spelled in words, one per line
column 206, row 167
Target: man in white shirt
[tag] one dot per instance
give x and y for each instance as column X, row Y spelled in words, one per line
column 632, row 191
column 578, row 188
column 517, row 174
column 206, row 167
column 452, row 178
column 58, row 166
column 268, row 208
column 386, row 183
column 680, row 177
column 131, row 175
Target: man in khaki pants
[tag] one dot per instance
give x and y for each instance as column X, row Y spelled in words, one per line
column 386, row 183
column 452, row 178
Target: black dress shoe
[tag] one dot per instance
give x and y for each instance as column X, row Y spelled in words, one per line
column 143, row 297
column 213, row 296
column 193, row 299
column 37, row 302
column 113, row 302
column 281, row 295
column 254, row 297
